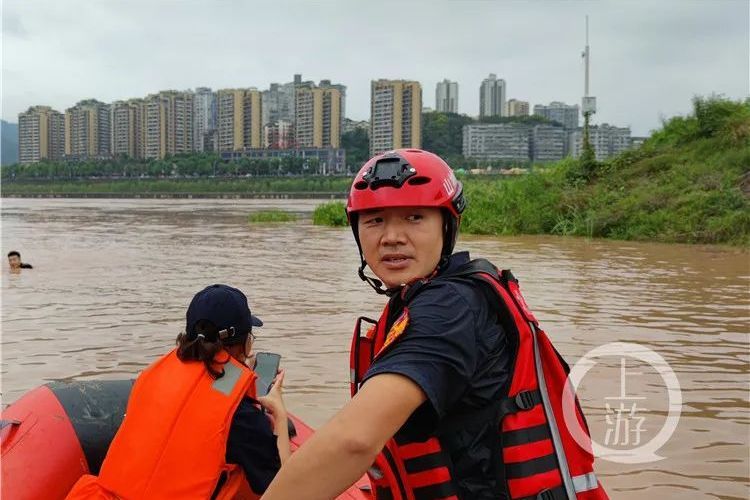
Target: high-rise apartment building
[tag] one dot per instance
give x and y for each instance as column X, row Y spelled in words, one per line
column 161, row 124
column 239, row 119
column 278, row 103
column 204, row 118
column 564, row 114
column 492, row 97
column 446, row 97
column 606, row 140
column 395, row 115
column 88, row 131
column 496, row 141
column 517, row 108
column 153, row 127
column 325, row 84
column 179, row 107
column 318, row 117
column 278, row 135
column 547, row 143
column 41, row 135
column 124, row 128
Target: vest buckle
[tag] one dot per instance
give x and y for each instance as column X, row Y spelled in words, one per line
column 525, row 400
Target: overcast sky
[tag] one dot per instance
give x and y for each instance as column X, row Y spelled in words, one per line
column 648, row 58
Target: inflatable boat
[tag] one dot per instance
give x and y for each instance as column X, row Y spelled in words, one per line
column 57, row 432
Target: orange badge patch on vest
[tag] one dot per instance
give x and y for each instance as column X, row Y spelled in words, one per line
column 397, row 329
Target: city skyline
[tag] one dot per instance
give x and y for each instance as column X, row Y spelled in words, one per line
column 656, row 55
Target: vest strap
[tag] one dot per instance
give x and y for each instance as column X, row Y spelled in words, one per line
column 557, row 493
column 524, row 400
column 584, row 482
column 525, row 436
column 518, row 470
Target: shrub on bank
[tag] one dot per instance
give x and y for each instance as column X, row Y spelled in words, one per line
column 330, row 214
column 272, row 216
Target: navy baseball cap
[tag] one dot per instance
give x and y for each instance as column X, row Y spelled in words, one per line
column 226, row 308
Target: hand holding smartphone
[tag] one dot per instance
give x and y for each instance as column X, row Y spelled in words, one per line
column 266, row 368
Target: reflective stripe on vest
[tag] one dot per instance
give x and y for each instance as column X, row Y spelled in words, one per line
column 585, row 482
column 228, row 381
column 562, row 461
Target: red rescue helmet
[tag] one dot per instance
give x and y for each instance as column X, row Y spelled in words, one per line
column 408, row 178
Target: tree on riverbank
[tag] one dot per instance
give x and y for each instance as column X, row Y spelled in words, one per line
column 357, row 146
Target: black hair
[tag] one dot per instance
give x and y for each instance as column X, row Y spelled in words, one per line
column 203, row 346
column 12, row 253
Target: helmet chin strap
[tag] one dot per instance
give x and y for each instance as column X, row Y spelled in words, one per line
column 376, row 284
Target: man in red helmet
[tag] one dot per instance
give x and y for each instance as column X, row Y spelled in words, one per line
column 457, row 391
column 451, row 357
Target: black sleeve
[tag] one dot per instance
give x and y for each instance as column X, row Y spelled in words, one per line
column 252, row 445
column 438, row 349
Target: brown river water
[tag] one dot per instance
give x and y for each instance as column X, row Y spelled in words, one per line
column 112, row 279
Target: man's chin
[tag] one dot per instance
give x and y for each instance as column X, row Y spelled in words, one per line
column 397, row 281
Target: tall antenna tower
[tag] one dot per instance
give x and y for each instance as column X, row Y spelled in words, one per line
column 588, row 103
column 588, row 106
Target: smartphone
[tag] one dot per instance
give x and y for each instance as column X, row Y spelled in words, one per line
column 266, row 367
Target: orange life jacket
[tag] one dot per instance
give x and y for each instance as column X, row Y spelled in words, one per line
column 541, row 459
column 172, row 442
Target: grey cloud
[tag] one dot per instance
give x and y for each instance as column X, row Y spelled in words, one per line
column 648, row 57
column 12, row 25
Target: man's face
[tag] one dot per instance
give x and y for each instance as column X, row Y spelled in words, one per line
column 14, row 261
column 401, row 244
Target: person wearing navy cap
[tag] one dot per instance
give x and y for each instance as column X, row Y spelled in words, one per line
column 194, row 426
column 219, row 318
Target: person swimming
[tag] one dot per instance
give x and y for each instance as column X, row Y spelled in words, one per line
column 14, row 260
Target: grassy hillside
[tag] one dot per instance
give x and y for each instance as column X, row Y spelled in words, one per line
column 688, row 183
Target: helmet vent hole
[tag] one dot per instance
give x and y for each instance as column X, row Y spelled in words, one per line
column 419, row 180
column 361, row 185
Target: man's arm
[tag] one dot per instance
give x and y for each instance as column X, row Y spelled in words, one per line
column 345, row 447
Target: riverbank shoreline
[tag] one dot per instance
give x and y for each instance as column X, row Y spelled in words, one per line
column 309, row 195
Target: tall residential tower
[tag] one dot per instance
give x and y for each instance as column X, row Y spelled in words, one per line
column 204, row 118
column 239, row 119
column 318, row 115
column 517, row 108
column 395, row 115
column 41, row 135
column 492, row 97
column 564, row 114
column 446, row 97
column 88, row 131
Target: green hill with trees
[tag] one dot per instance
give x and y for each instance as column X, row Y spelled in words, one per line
column 690, row 182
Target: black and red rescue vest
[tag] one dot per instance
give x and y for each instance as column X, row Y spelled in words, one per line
column 541, row 459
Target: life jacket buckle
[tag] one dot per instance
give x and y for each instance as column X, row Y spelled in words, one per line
column 545, row 495
column 525, row 400
column 376, row 472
